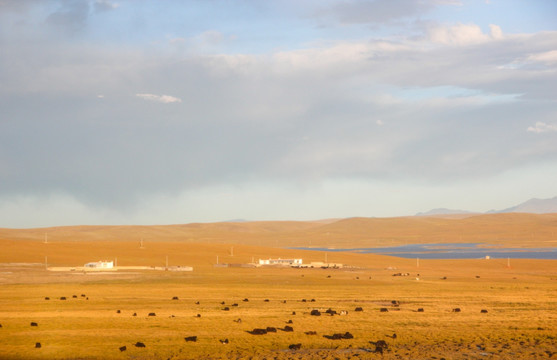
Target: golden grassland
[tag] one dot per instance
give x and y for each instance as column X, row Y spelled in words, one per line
column 521, row 300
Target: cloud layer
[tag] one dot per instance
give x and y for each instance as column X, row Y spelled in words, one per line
column 165, row 99
column 422, row 104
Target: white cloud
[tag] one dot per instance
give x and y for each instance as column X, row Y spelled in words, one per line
column 105, row 5
column 166, row 99
column 496, row 31
column 542, row 127
column 547, row 57
column 460, row 34
column 212, row 37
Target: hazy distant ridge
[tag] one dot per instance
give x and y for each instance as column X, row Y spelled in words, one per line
column 532, row 206
column 443, row 211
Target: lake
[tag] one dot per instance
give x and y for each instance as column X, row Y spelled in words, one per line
column 451, row 251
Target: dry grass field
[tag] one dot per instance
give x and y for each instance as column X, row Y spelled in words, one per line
column 96, row 319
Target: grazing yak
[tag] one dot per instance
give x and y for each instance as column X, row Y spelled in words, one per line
column 191, row 338
column 339, row 336
column 295, row 346
column 139, row 344
column 37, row 345
column 258, row 331
column 456, row 310
column 288, row 328
column 34, row 324
column 315, row 312
column 271, row 329
column 311, row 333
column 226, row 308
column 483, row 311
column 358, row 309
column 123, row 348
column 47, row 298
column 384, row 310
column 152, row 314
column 63, row 298
column 380, row 346
column 175, row 298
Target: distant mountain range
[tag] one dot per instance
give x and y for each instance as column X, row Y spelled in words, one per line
column 533, row 206
column 443, row 211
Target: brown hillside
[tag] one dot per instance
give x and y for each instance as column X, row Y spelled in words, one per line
column 526, row 230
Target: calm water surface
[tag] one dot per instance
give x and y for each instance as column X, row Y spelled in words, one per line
column 452, row 251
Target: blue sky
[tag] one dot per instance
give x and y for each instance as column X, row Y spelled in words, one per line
column 159, row 112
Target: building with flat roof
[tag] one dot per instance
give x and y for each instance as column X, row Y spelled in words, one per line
column 99, row 265
column 279, row 261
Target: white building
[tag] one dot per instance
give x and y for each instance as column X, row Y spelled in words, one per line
column 100, row 265
column 279, row 261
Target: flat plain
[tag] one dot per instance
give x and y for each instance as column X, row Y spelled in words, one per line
column 508, row 307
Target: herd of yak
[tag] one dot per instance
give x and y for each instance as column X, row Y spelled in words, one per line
column 380, row 345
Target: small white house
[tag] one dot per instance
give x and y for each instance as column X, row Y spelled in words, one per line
column 279, row 261
column 100, row 265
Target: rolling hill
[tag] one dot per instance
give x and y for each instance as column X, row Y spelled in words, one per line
column 516, row 229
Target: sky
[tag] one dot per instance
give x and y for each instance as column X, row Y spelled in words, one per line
column 170, row 112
